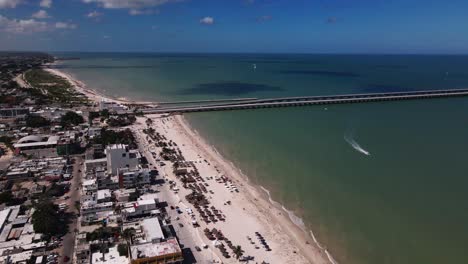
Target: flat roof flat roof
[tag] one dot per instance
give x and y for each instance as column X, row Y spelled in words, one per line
column 152, row 229
column 149, row 250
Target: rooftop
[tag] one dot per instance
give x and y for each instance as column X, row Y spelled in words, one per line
column 113, row 257
column 103, row 194
column 152, row 229
column 150, row 250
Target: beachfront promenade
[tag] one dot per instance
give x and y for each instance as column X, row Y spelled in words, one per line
column 306, row 100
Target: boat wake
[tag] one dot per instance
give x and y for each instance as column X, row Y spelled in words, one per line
column 349, row 138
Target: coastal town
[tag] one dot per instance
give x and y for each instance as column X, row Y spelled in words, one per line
column 84, row 181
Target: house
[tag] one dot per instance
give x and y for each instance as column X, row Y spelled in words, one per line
column 141, row 208
column 103, row 196
column 129, row 178
column 167, row 252
column 123, row 195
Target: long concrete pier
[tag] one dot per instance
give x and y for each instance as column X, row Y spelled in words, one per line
column 207, row 101
column 311, row 100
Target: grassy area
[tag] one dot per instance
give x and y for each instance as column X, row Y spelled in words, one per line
column 57, row 89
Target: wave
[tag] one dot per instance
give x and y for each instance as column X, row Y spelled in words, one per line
column 300, row 223
column 355, row 145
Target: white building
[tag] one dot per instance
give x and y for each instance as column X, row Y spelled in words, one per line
column 119, row 156
column 90, row 186
column 91, row 207
column 103, row 196
column 152, row 230
column 140, row 208
column 168, row 251
column 129, row 178
column 93, row 164
column 111, row 257
column 123, row 195
column 111, row 106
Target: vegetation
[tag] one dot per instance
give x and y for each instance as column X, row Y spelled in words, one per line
column 36, row 121
column 123, row 250
column 56, row 190
column 104, row 113
column 48, row 220
column 128, row 234
column 93, row 115
column 71, row 119
column 55, row 88
column 109, row 137
column 238, row 252
column 7, row 141
column 121, row 120
column 102, row 233
column 8, row 199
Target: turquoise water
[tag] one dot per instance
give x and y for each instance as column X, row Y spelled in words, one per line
column 376, row 182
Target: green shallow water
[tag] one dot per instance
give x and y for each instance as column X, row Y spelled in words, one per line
column 403, row 203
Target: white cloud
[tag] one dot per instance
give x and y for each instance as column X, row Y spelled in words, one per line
column 29, row 26
column 207, row 21
column 19, row 26
column 131, row 4
column 94, row 14
column 41, row 14
column 9, row 3
column 64, row 25
column 46, row 3
column 106, row 37
column 136, row 12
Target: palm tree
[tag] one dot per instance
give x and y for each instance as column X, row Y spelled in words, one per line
column 128, row 234
column 238, row 252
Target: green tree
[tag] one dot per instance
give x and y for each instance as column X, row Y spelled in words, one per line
column 47, row 220
column 104, row 113
column 71, row 119
column 36, row 121
column 123, row 249
column 238, row 252
column 128, row 234
column 6, row 197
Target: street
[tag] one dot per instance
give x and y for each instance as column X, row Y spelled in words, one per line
column 68, row 242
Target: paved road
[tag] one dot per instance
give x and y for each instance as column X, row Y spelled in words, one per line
column 68, row 245
column 187, row 235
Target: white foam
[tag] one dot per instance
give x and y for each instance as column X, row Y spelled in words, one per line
column 300, row 223
column 355, row 145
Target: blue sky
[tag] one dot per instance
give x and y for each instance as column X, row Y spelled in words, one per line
column 296, row 26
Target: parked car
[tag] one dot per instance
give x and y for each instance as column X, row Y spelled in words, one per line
column 197, row 248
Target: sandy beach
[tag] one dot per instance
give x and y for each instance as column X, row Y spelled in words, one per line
column 250, row 210
column 90, row 93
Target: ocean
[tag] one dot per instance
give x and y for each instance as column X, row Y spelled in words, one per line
column 380, row 182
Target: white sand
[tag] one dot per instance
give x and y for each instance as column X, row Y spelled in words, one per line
column 250, row 210
column 90, row 93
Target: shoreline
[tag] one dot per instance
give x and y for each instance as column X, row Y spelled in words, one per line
column 297, row 231
column 257, row 196
column 92, row 94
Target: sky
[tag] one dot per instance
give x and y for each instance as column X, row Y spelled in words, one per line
column 266, row 26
